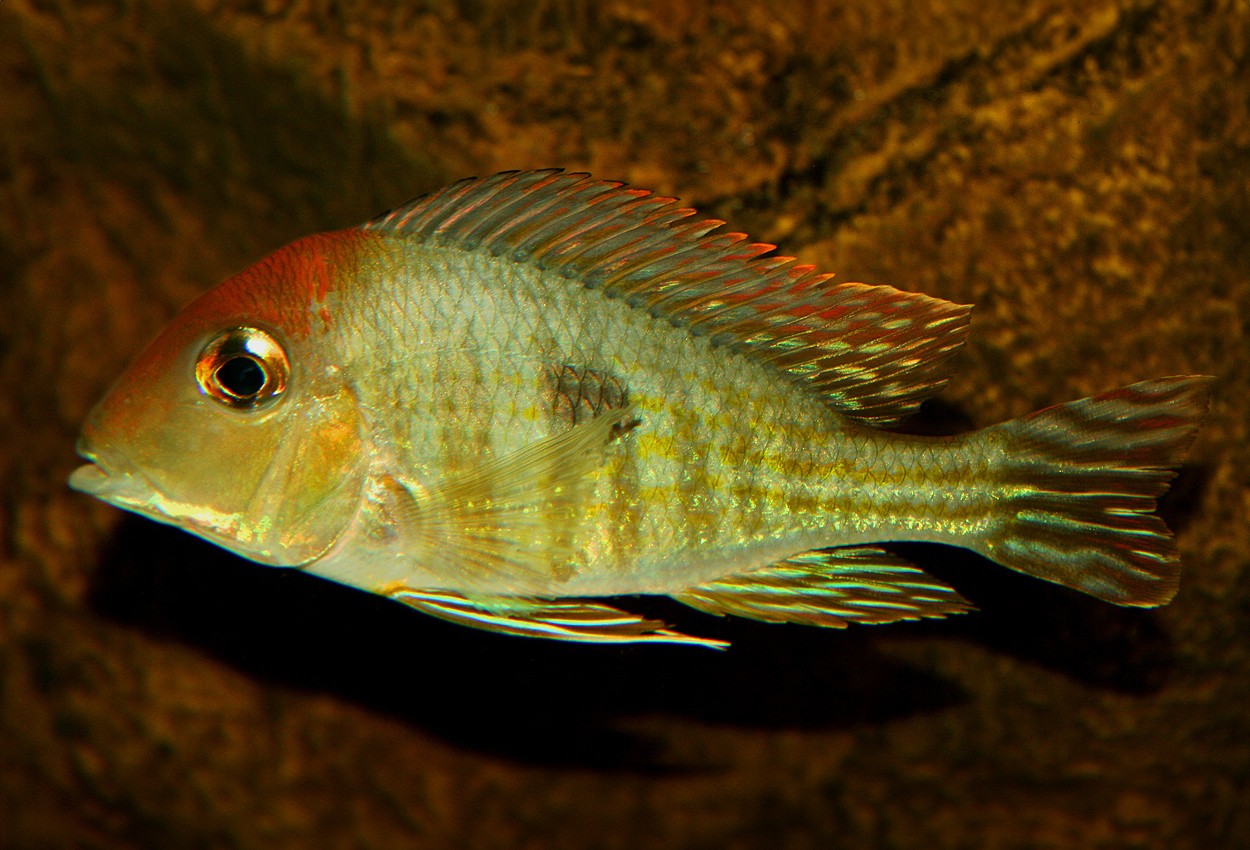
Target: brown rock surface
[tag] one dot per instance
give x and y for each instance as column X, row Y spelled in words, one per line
column 1077, row 169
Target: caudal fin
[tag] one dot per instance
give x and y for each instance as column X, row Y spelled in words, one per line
column 1079, row 483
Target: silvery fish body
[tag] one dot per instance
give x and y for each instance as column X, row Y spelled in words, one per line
column 527, row 391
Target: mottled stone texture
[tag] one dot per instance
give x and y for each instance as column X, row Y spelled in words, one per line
column 1077, row 169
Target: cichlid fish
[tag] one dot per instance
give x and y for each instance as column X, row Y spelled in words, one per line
column 526, row 391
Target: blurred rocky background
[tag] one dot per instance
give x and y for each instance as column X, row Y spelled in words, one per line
column 1077, row 169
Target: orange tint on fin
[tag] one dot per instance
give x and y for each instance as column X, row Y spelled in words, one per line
column 873, row 352
column 830, row 587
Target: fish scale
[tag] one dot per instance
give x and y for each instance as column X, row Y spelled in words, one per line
column 527, row 391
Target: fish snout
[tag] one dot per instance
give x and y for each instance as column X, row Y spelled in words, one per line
column 109, row 477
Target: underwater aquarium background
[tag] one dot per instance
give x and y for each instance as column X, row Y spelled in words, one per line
column 1079, row 170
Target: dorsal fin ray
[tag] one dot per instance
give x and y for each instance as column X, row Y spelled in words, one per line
column 873, row 352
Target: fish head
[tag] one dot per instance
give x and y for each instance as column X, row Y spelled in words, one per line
column 236, row 424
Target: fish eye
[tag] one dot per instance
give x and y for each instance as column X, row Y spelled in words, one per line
column 241, row 377
column 243, row 368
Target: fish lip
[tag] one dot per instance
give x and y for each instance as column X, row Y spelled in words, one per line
column 93, row 477
column 113, row 479
column 123, row 489
column 90, row 478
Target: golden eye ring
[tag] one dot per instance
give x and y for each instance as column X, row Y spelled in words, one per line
column 243, row 368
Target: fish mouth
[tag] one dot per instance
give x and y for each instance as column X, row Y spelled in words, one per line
column 112, row 480
column 92, row 477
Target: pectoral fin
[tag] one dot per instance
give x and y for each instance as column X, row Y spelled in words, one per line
column 555, row 619
column 830, row 587
column 511, row 521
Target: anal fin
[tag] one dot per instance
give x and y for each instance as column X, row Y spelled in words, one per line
column 554, row 619
column 830, row 587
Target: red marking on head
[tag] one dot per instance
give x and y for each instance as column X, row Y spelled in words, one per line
column 283, row 289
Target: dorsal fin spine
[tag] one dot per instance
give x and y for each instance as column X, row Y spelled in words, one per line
column 616, row 240
column 677, row 270
column 581, row 238
column 602, row 225
column 508, row 215
column 609, row 254
column 646, row 270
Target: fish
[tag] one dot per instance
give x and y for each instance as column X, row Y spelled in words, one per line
column 522, row 394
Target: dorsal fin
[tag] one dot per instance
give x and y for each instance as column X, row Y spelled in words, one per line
column 874, row 352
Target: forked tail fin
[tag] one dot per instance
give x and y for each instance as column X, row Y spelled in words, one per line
column 1078, row 488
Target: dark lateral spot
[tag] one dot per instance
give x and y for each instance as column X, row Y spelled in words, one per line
column 579, row 393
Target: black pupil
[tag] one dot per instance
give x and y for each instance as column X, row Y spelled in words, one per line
column 242, row 377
